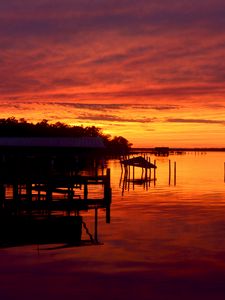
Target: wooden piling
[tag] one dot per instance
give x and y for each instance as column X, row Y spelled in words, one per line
column 15, row 192
column 154, row 171
column 85, row 191
column 175, row 173
column 107, row 187
column 150, row 170
column 107, row 195
column 169, row 171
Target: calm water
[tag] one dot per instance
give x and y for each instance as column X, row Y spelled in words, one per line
column 166, row 240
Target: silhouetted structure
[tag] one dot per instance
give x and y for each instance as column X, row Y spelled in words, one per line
column 161, row 151
column 48, row 201
column 50, row 145
column 145, row 178
column 138, row 161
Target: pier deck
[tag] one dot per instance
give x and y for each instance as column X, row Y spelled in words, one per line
column 55, row 193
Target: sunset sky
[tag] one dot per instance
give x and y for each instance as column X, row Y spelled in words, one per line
column 151, row 71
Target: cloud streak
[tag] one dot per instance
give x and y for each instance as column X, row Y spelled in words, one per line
column 197, row 121
column 117, row 106
column 114, row 118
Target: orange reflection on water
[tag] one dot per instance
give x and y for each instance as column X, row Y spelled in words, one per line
column 167, row 241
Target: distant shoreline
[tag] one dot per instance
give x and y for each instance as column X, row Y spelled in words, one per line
column 194, row 149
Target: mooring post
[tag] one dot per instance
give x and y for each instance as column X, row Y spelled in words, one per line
column 169, row 171
column 175, row 173
column 108, row 213
column 154, row 171
column 150, row 169
column 107, row 195
column 107, row 188
column 15, row 193
column 85, row 191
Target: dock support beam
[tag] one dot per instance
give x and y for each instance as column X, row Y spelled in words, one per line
column 107, row 195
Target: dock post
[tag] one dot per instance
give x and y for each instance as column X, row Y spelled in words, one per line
column 16, row 194
column 175, row 173
column 85, row 191
column 154, row 171
column 169, row 171
column 150, row 170
column 107, row 188
column 107, row 195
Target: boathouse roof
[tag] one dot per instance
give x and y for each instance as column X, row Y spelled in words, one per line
column 138, row 161
column 52, row 142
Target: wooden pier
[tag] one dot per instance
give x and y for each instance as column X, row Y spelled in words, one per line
column 50, row 206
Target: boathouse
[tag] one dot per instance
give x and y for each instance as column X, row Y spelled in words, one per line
column 49, row 145
column 42, row 153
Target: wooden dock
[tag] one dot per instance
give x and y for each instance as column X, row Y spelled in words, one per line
column 54, row 193
column 50, row 207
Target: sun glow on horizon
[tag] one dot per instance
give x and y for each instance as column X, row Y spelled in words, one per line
column 144, row 125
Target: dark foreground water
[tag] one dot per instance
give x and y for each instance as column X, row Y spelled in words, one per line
column 166, row 240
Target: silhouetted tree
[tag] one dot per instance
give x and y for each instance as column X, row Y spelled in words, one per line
column 13, row 127
column 119, row 145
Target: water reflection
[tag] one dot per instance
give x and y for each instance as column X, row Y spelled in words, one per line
column 23, row 229
column 168, row 241
column 127, row 182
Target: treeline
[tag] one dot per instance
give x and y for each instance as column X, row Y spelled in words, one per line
column 12, row 127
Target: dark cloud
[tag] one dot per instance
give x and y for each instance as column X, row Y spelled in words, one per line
column 117, row 106
column 157, row 107
column 159, row 92
column 112, row 49
column 150, row 94
column 94, row 106
column 47, row 17
column 113, row 118
column 200, row 121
